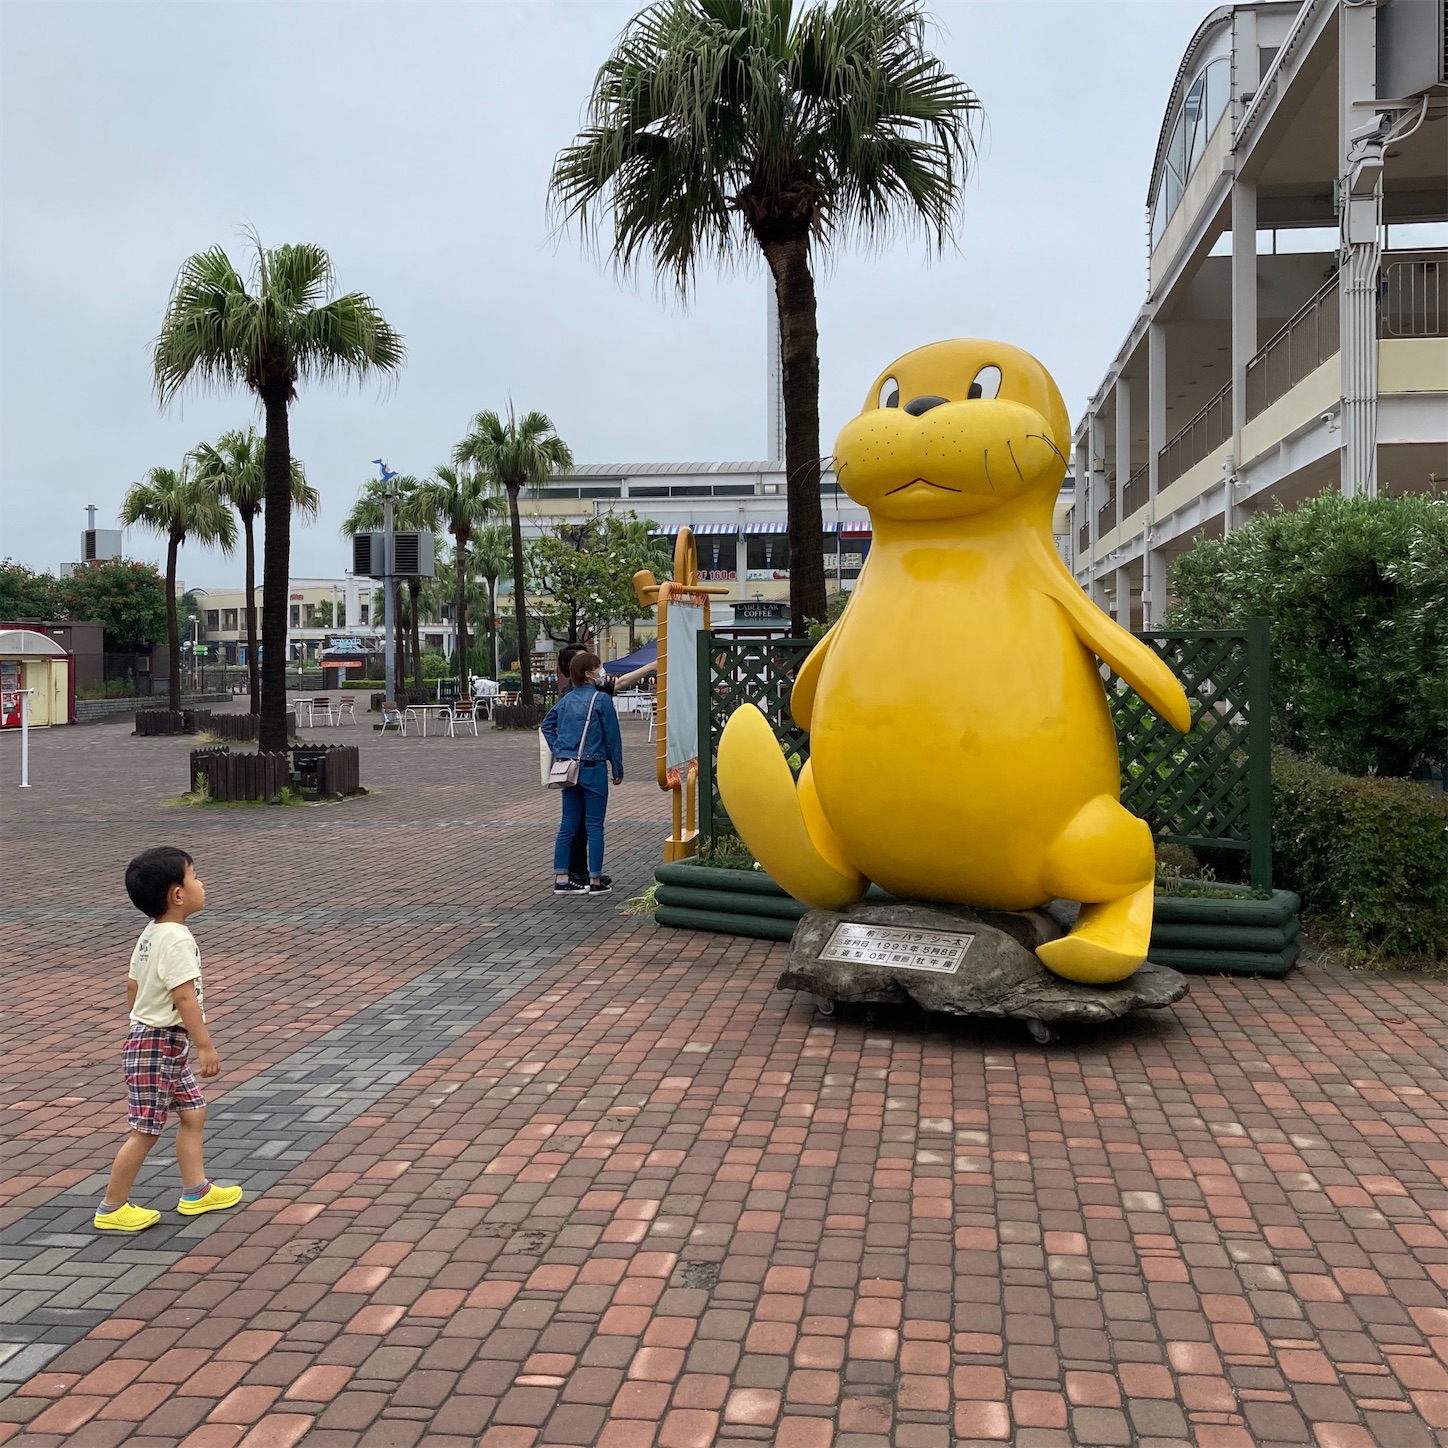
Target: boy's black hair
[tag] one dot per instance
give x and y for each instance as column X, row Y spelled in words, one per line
column 565, row 658
column 151, row 874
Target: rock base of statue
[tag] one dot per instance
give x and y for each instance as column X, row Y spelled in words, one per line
column 959, row 962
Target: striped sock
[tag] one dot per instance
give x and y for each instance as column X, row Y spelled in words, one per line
column 194, row 1194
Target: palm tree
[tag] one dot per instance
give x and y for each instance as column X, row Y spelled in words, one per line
column 719, row 122
column 368, row 515
column 516, row 454
column 289, row 328
column 491, row 557
column 233, row 465
column 460, row 498
column 175, row 504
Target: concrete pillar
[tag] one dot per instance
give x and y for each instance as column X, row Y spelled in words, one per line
column 1122, row 609
column 1153, row 574
column 1360, row 214
column 1095, row 453
column 1244, row 301
column 1085, row 511
column 1123, row 434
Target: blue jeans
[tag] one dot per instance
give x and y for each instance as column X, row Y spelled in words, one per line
column 586, row 801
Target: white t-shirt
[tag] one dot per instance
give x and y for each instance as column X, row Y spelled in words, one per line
column 165, row 956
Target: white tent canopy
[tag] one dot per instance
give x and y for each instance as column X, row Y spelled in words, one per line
column 17, row 641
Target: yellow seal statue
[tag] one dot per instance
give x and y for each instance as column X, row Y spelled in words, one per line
column 961, row 749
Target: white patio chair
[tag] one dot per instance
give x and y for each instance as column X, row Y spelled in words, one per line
column 345, row 709
column 463, row 711
column 393, row 717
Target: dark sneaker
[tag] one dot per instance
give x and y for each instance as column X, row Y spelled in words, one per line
column 571, row 888
column 603, row 887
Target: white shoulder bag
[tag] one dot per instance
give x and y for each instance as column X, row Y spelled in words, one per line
column 563, row 773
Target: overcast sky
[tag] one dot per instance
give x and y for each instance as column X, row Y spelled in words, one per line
column 413, row 140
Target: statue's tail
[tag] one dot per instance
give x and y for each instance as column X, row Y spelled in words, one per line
column 782, row 823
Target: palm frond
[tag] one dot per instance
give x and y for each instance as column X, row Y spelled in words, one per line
column 713, row 119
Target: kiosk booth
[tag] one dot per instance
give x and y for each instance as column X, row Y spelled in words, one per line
column 30, row 660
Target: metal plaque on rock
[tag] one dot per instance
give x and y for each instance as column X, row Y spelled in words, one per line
column 898, row 948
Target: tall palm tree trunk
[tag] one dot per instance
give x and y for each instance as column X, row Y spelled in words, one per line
column 460, row 607
column 799, row 352
column 493, row 627
column 520, row 601
column 253, row 666
column 276, row 570
column 414, row 588
column 399, row 633
column 173, row 625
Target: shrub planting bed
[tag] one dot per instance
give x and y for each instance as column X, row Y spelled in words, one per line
column 1368, row 856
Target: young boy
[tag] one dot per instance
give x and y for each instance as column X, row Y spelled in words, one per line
column 164, row 994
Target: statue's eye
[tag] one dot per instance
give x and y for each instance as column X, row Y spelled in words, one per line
column 889, row 393
column 987, row 383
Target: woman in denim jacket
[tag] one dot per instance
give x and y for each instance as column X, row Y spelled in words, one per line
column 599, row 755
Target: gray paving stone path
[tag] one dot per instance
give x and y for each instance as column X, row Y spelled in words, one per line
column 59, row 1277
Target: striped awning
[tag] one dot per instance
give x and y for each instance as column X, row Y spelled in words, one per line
column 766, row 527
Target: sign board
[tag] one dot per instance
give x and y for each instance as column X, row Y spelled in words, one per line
column 760, row 609
column 898, row 947
column 686, row 619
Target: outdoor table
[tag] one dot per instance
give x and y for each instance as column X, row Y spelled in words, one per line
column 421, row 711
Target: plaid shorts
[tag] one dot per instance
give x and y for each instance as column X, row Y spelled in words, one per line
column 158, row 1076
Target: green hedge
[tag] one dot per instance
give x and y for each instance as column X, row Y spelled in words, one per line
column 1369, row 857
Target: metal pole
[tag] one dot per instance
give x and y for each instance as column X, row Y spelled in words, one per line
column 391, row 673
column 25, row 739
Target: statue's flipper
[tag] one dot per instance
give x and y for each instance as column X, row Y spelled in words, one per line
column 1109, row 941
column 806, row 681
column 1125, row 653
column 783, row 826
column 1104, row 858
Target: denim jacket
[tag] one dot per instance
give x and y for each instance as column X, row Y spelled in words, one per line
column 563, row 729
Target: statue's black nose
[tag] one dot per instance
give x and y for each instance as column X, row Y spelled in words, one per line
column 917, row 405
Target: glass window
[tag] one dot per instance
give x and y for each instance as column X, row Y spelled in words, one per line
column 768, row 556
column 362, row 609
column 718, row 557
column 310, row 610
column 1194, row 118
column 229, row 619
column 213, row 618
column 1201, row 110
column 296, row 615
column 1219, row 88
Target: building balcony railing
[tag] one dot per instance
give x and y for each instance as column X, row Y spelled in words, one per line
column 1106, row 513
column 1083, row 538
column 1309, row 338
column 1199, row 439
column 1136, row 491
column 1413, row 297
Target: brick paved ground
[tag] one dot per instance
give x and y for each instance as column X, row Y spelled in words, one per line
column 525, row 1171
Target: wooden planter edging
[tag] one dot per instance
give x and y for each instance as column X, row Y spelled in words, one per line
column 240, row 776
column 1196, row 936
column 152, row 722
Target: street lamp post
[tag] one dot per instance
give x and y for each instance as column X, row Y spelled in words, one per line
column 387, row 620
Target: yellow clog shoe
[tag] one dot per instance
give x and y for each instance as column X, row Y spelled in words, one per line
column 216, row 1199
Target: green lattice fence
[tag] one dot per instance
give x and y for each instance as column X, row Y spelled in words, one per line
column 1209, row 788
column 732, row 672
column 1212, row 786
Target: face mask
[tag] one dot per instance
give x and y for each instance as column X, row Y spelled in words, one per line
column 596, row 677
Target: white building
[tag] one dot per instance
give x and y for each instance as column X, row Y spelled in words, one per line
column 316, row 608
column 1294, row 336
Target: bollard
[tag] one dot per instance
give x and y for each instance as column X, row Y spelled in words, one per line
column 25, row 738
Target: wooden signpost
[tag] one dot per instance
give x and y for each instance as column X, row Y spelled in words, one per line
column 683, row 606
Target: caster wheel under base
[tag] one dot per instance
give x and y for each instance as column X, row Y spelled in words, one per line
column 824, row 1005
column 1039, row 1032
